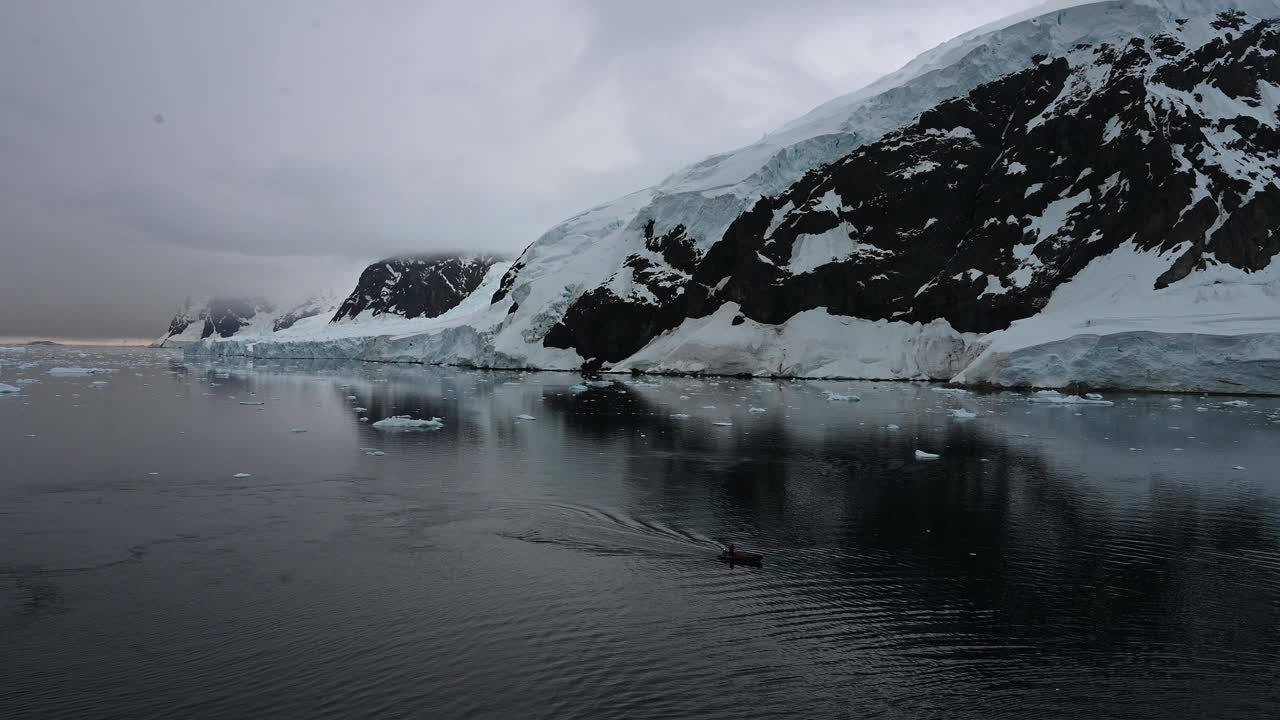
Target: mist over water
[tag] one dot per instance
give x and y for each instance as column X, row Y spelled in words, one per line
column 1052, row 562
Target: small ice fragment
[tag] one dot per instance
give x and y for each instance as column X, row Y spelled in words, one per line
column 684, row 397
column 578, row 388
column 837, row 397
column 1202, row 409
column 153, row 473
column 922, row 455
column 722, row 424
column 892, row 427
column 404, row 422
column 525, row 417
column 351, row 397
column 755, row 410
column 364, row 419
column 951, row 391
column 242, row 475
column 708, row 407
column 1238, row 467
column 1093, row 396
column 375, row 453
column 962, row 414
column 1236, row 403
column 76, row 371
column 361, row 409
column 679, row 416
column 1053, row 397
column 6, row 389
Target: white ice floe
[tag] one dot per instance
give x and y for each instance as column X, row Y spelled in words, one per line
column 578, row 388
column 77, row 371
column 1092, row 396
column 962, row 414
column 892, row 427
column 526, row 417
column 1053, row 397
column 6, row 389
column 242, row 475
column 679, row 416
column 756, row 410
column 1238, row 467
column 404, row 422
column 922, row 455
column 722, row 424
column 837, row 397
column 1236, row 403
column 360, row 409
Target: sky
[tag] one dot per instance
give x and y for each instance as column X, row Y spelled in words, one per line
column 154, row 150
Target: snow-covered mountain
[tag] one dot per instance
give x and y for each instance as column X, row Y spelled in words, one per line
column 1086, row 194
column 418, row 286
column 226, row 317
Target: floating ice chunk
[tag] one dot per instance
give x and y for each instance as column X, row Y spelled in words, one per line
column 364, row 419
column 297, row 430
column 951, row 391
column 6, row 389
column 526, row 417
column 684, row 397
column 242, row 475
column 578, row 388
column 962, row 414
column 404, row 422
column 756, row 409
column 708, row 407
column 837, row 397
column 1053, row 397
column 1236, row 403
column 722, row 424
column 374, row 453
column 351, row 397
column 922, row 455
column 1202, row 409
column 77, row 371
column 679, row 416
column 892, row 427
column 361, row 409
column 1238, row 467
column 1092, row 396
column 252, row 403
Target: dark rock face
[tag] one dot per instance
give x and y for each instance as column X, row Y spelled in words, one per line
column 225, row 316
column 308, row 308
column 423, row 286
column 984, row 205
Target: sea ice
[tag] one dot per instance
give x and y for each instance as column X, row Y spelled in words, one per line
column 962, row 414
column 922, row 455
column 578, row 388
column 756, row 410
column 837, row 397
column 526, row 417
column 404, row 422
column 242, row 475
column 77, row 371
column 5, row 389
column 1053, row 397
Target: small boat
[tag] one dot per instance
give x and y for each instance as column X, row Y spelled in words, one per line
column 739, row 557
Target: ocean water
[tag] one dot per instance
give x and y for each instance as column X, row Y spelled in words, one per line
column 1054, row 561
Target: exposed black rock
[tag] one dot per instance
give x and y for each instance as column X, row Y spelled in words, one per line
column 420, row 286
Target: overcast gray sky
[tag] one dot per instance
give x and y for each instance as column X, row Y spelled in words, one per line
column 154, row 149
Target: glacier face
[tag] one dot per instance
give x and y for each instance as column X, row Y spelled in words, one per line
column 689, row 276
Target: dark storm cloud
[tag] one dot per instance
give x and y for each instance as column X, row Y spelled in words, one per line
column 154, row 149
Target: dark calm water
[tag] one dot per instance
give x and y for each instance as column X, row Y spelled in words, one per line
column 1055, row 562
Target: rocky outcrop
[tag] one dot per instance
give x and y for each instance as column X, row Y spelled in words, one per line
column 412, row 287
